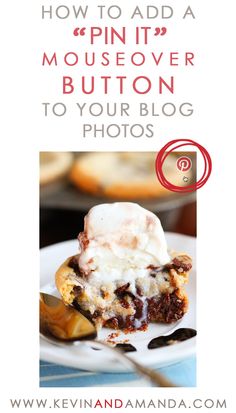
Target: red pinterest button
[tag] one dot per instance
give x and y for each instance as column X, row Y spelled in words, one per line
column 183, row 164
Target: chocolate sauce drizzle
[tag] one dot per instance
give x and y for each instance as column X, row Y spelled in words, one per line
column 181, row 334
column 125, row 347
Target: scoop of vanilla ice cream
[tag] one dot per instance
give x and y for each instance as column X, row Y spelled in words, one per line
column 120, row 241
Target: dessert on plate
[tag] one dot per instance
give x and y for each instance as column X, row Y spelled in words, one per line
column 123, row 275
column 105, row 174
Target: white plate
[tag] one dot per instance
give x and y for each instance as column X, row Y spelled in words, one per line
column 85, row 357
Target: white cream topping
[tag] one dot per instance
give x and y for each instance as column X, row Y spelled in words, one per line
column 123, row 240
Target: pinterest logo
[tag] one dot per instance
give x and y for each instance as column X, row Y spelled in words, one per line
column 184, row 163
